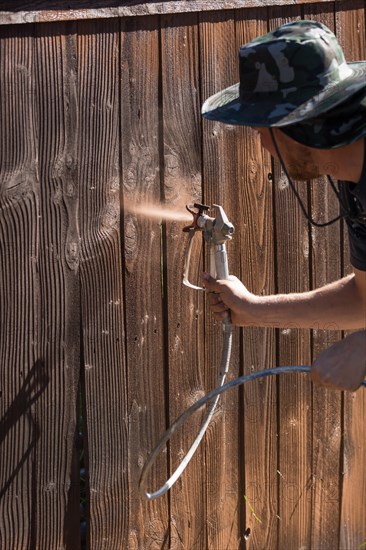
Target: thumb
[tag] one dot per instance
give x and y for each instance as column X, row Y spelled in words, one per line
column 209, row 282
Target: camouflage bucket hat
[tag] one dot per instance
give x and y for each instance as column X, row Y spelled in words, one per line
column 294, row 73
column 342, row 125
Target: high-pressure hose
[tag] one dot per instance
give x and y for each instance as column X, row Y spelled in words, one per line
column 224, row 367
column 212, row 396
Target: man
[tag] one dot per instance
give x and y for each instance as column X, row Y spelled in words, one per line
column 309, row 107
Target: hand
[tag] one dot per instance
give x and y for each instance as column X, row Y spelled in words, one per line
column 231, row 295
column 343, row 365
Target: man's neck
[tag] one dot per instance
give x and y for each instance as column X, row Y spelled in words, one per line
column 344, row 163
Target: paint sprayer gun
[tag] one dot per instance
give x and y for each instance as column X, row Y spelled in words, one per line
column 216, row 231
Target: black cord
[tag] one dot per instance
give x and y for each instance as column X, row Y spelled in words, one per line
column 301, row 204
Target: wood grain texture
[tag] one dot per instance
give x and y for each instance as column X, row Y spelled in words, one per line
column 101, row 285
column 59, row 260
column 19, row 11
column 145, row 327
column 326, row 262
column 222, row 454
column 182, row 185
column 350, row 27
column 42, row 338
column 255, row 196
column 99, row 115
column 294, row 397
column 19, row 293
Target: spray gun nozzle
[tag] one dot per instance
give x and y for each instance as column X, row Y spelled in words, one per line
column 201, row 209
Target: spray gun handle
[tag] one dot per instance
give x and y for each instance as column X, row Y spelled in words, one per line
column 219, row 261
column 216, row 232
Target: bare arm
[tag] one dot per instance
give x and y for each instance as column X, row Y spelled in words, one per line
column 341, row 304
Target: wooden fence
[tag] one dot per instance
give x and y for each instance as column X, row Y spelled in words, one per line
column 100, row 113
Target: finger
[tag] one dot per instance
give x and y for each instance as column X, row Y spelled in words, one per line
column 221, row 316
column 214, row 298
column 219, row 307
column 209, row 282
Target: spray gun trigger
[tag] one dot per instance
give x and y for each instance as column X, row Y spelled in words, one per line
column 201, row 209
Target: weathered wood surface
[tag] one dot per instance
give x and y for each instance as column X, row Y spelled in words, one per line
column 102, row 298
column 353, row 468
column 181, row 142
column 294, row 345
column 325, row 266
column 98, row 118
column 144, row 311
column 19, row 11
column 222, row 444
column 255, row 212
column 40, row 313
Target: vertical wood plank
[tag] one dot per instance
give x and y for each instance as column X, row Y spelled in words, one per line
column 326, row 267
column 294, row 397
column 101, row 284
column 259, row 344
column 57, row 519
column 182, row 185
column 350, row 27
column 39, row 226
column 19, row 290
column 223, row 465
column 145, row 330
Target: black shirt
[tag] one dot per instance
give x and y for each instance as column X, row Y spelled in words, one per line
column 354, row 197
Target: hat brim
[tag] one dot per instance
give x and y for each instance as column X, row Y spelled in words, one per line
column 226, row 106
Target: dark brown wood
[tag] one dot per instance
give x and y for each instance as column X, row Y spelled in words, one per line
column 57, row 150
column 59, row 10
column 222, row 451
column 101, row 273
column 255, row 196
column 326, row 254
column 182, row 185
column 145, row 328
column 40, row 350
column 294, row 395
column 350, row 26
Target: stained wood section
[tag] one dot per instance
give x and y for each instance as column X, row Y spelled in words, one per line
column 326, row 263
column 19, row 294
column 59, row 261
column 349, row 15
column 294, row 391
column 254, row 187
column 144, row 281
column 101, row 275
column 39, row 285
column 60, row 10
column 222, row 472
column 182, row 185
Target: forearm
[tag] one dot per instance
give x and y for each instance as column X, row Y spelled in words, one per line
column 339, row 305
